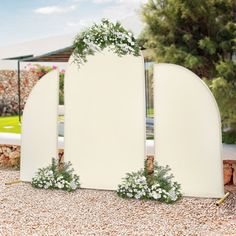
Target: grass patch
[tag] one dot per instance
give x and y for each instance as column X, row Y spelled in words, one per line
column 10, row 125
column 150, row 112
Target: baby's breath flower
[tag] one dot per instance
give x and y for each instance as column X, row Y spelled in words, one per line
column 52, row 177
column 105, row 35
column 158, row 186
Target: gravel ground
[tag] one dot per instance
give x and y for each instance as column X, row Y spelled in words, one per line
column 28, row 211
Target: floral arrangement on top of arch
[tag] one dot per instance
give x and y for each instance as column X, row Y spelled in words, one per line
column 104, row 35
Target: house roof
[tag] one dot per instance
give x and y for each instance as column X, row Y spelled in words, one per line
column 61, row 55
column 9, row 55
column 36, row 47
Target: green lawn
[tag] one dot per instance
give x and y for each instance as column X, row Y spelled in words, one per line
column 10, row 125
column 150, row 112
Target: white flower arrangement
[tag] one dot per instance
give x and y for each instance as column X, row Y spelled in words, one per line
column 156, row 186
column 105, row 35
column 55, row 177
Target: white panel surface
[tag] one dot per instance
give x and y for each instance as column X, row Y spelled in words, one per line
column 39, row 126
column 105, row 118
column 188, row 131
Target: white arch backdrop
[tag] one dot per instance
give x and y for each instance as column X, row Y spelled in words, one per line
column 188, row 131
column 105, row 118
column 39, row 126
column 105, row 124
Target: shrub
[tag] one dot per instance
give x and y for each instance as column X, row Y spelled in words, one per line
column 156, row 186
column 56, row 176
column 225, row 95
column 229, row 137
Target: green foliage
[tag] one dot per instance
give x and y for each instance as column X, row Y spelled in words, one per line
column 227, row 70
column 229, row 137
column 197, row 34
column 61, row 97
column 200, row 35
column 61, row 88
column 104, row 35
column 156, row 186
column 56, row 176
column 225, row 94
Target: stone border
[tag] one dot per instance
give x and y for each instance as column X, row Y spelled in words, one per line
column 10, row 156
column 230, row 172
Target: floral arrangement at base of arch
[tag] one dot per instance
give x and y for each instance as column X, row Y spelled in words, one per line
column 156, row 186
column 56, row 176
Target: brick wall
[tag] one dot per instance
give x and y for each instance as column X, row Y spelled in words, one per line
column 10, row 156
column 230, row 172
column 9, row 90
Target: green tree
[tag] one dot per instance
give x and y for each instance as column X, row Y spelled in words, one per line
column 225, row 94
column 198, row 34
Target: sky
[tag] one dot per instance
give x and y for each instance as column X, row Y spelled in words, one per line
column 25, row 20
